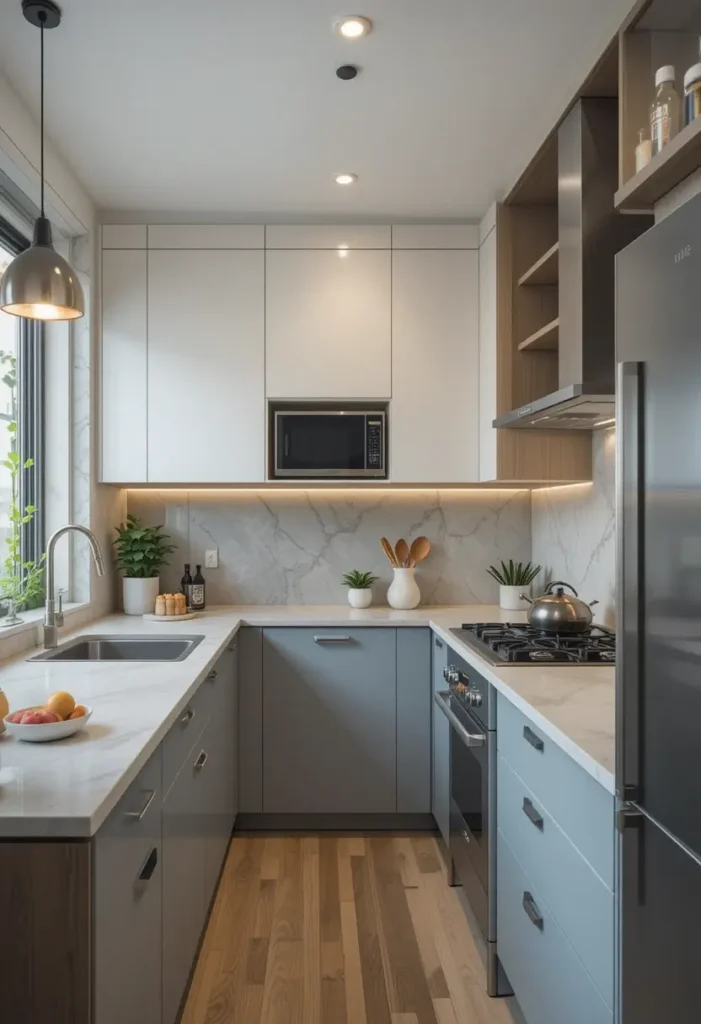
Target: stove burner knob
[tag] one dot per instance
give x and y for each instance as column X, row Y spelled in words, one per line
column 451, row 675
column 474, row 698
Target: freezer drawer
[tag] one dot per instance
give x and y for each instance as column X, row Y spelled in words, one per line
column 660, row 915
column 583, row 809
column 550, row 983
column 580, row 902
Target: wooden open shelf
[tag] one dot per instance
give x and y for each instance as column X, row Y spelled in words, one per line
column 677, row 161
column 546, row 339
column 544, row 270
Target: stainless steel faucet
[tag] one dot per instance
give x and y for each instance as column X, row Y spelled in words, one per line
column 52, row 618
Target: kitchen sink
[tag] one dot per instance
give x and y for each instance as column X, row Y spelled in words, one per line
column 122, row 648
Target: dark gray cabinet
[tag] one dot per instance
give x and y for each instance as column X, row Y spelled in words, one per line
column 440, row 784
column 329, row 721
column 221, row 799
column 127, row 872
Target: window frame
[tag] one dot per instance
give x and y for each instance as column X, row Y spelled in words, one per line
column 31, row 412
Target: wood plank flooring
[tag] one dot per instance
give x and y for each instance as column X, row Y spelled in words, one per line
column 339, row 930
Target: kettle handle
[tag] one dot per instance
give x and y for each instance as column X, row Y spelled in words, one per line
column 525, row 597
column 560, row 583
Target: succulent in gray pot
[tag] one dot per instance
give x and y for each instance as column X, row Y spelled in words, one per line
column 359, row 588
column 141, row 554
column 514, row 579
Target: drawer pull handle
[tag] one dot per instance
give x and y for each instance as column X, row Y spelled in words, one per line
column 233, row 648
column 212, row 676
column 533, row 738
column 201, row 760
column 332, row 640
column 187, row 717
column 532, row 815
column 531, row 908
column 138, row 815
column 149, row 867
column 439, row 643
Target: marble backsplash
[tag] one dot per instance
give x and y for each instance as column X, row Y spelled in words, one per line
column 573, row 531
column 278, row 547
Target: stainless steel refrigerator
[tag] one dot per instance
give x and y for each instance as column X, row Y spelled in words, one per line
column 658, row 672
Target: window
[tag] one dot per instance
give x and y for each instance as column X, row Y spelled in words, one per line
column 21, row 415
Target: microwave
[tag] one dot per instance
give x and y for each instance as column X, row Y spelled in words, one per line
column 329, row 443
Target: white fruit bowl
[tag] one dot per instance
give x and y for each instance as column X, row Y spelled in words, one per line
column 48, row 731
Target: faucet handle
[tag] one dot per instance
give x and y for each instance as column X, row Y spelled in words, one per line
column 58, row 617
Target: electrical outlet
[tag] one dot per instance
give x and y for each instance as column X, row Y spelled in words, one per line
column 211, row 559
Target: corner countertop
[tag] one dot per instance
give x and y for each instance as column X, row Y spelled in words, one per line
column 68, row 788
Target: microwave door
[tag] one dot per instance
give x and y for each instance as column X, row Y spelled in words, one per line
column 320, row 444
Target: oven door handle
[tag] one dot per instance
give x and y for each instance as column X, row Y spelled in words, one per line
column 470, row 739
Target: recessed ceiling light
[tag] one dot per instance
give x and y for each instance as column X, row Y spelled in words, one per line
column 353, row 26
column 346, row 179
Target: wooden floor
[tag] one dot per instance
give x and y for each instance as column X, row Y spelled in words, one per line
column 326, row 930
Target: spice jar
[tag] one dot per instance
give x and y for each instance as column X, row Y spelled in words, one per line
column 643, row 151
column 692, row 93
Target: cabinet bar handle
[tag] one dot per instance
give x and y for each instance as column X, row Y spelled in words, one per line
column 439, row 643
column 211, row 676
column 149, row 867
column 532, row 814
column 332, row 640
column 533, row 738
column 531, row 908
column 138, row 815
column 201, row 760
column 187, row 717
column 233, row 648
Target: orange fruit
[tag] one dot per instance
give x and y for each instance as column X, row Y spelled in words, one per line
column 61, row 703
column 78, row 711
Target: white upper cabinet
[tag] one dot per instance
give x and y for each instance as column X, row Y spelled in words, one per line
column 123, row 364
column 123, row 236
column 206, row 236
column 328, row 236
column 328, row 324
column 435, row 236
column 206, row 406
column 434, row 413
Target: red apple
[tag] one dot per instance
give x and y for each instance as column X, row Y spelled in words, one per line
column 39, row 718
column 16, row 716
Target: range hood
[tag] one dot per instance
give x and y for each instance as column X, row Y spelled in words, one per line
column 590, row 233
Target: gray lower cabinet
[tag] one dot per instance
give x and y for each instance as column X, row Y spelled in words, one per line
column 222, row 792
column 330, row 721
column 127, row 873
column 440, row 783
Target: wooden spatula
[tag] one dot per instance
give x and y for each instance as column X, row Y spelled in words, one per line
column 389, row 551
column 420, row 549
column 401, row 550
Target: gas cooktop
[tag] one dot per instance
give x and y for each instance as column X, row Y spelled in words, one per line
column 514, row 643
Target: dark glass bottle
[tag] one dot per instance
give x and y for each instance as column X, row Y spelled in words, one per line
column 186, row 584
column 197, row 602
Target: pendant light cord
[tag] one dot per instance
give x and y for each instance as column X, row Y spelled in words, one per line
column 42, row 19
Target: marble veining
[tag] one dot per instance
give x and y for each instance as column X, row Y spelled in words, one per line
column 574, row 531
column 279, row 547
column 69, row 788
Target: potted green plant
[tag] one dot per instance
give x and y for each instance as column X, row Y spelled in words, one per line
column 141, row 553
column 514, row 579
column 359, row 588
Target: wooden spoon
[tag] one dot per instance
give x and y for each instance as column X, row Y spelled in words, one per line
column 401, row 550
column 389, row 551
column 420, row 549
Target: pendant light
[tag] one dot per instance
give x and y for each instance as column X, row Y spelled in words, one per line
column 39, row 283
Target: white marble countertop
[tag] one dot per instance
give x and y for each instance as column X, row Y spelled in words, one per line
column 69, row 788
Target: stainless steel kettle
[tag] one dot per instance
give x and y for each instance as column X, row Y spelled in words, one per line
column 558, row 612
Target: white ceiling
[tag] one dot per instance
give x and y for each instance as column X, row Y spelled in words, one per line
column 233, row 106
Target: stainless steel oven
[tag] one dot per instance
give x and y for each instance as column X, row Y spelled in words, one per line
column 470, row 707
column 329, row 442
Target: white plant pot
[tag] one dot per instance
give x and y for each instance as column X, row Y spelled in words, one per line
column 359, row 598
column 403, row 591
column 140, row 595
column 510, row 598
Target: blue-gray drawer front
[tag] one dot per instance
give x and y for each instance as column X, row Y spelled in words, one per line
column 547, row 976
column 580, row 805
column 580, row 902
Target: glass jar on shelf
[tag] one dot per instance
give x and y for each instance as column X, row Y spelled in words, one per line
column 643, row 151
column 665, row 111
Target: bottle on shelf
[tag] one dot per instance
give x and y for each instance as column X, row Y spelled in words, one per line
column 692, row 91
column 643, row 151
column 197, row 594
column 665, row 111
column 186, row 585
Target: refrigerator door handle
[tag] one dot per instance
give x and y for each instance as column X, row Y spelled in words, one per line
column 630, row 456
column 629, row 821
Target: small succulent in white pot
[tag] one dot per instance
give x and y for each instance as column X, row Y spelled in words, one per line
column 359, row 588
column 514, row 579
